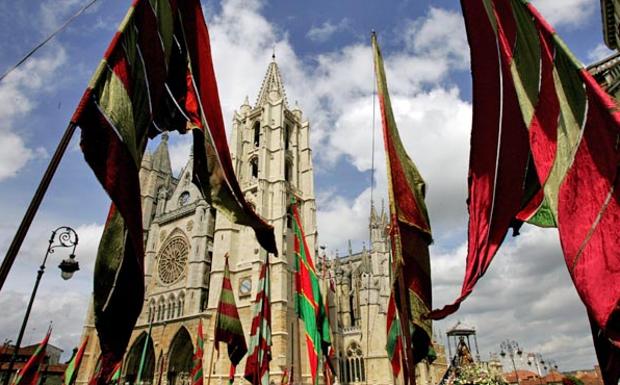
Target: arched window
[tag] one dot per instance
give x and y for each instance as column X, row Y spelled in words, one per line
column 171, row 301
column 151, row 315
column 288, row 171
column 287, row 137
column 254, row 168
column 256, row 134
column 181, row 305
column 160, row 309
column 354, row 366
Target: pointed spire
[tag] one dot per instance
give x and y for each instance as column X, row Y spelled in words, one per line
column 161, row 156
column 147, row 160
column 383, row 213
column 373, row 214
column 272, row 87
column 245, row 107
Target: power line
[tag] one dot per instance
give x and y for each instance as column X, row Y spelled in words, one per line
column 47, row 39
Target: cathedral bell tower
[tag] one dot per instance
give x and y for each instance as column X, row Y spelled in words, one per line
column 270, row 148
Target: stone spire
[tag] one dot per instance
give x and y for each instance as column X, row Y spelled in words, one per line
column 373, row 214
column 161, row 156
column 272, row 87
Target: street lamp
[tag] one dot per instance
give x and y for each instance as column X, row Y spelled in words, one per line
column 511, row 348
column 62, row 237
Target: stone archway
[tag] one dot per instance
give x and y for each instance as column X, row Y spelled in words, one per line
column 132, row 363
column 180, row 358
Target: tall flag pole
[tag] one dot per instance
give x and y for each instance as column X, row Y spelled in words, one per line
column 257, row 363
column 74, row 365
column 410, row 235
column 309, row 302
column 156, row 75
column 197, row 374
column 228, row 328
column 147, row 339
column 544, row 149
column 29, row 374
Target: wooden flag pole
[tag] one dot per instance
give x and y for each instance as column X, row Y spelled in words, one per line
column 24, row 226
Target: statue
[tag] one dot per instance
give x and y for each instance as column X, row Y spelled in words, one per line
column 464, row 356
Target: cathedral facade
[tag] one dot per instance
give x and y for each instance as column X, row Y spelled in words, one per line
column 186, row 242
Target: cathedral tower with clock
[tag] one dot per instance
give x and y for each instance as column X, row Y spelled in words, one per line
column 186, row 242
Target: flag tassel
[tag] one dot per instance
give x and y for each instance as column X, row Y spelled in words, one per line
column 24, row 226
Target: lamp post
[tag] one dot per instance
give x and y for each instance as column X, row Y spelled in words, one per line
column 62, row 237
column 511, row 348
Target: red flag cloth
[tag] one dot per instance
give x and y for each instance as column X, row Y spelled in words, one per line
column 197, row 373
column 228, row 327
column 410, row 235
column 73, row 367
column 257, row 363
column 544, row 149
column 29, row 373
column 156, row 75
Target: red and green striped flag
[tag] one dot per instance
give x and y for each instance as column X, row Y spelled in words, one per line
column 228, row 328
column 115, row 378
column 156, row 75
column 308, row 301
column 29, row 373
column 257, row 363
column 74, row 365
column 544, row 149
column 394, row 344
column 410, row 235
column 197, row 374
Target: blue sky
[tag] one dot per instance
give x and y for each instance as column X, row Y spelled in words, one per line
column 323, row 51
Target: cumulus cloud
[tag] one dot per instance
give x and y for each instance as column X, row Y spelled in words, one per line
column 570, row 13
column 527, row 295
column 18, row 97
column 441, row 35
column 48, row 307
column 326, row 30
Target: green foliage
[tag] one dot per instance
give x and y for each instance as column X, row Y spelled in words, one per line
column 571, row 380
column 474, row 374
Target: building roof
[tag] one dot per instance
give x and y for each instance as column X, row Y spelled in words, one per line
column 272, row 83
column 461, row 329
column 26, row 350
column 526, row 377
column 553, row 377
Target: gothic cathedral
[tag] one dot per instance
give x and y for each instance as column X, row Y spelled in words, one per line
column 186, row 242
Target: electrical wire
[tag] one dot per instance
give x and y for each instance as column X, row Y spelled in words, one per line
column 47, row 39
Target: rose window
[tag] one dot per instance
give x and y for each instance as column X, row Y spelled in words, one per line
column 172, row 260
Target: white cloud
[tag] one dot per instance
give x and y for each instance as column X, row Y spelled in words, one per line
column 326, row 30
column 50, row 306
column 340, row 220
column 526, row 295
column 440, row 34
column 18, row 97
column 599, row 52
column 570, row 13
column 54, row 13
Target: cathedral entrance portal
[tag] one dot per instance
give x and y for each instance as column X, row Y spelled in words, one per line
column 180, row 358
column 133, row 361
